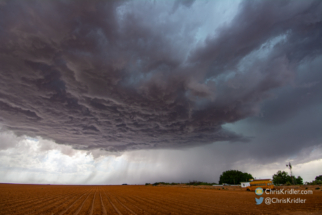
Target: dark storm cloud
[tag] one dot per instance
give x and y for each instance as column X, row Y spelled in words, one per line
column 303, row 93
column 103, row 75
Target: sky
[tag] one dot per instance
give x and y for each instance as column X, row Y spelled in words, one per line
column 112, row 92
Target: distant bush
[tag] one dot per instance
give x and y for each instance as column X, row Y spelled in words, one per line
column 288, row 183
column 317, row 188
column 124, row 184
column 190, row 183
column 195, row 183
column 318, row 178
column 316, row 182
column 162, row 183
column 147, row 184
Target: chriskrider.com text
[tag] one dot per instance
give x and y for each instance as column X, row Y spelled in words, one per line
column 289, row 191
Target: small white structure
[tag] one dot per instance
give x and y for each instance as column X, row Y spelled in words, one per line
column 244, row 184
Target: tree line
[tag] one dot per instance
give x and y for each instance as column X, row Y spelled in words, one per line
column 236, row 177
column 281, row 177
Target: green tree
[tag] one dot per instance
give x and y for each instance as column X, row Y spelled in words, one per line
column 318, row 178
column 234, row 177
column 299, row 180
column 290, row 179
column 281, row 177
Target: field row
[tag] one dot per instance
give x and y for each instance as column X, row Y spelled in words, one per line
column 95, row 200
column 58, row 199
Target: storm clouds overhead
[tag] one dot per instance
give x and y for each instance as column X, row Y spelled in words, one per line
column 120, row 76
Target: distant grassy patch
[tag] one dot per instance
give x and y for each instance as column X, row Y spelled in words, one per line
column 163, row 183
column 195, row 183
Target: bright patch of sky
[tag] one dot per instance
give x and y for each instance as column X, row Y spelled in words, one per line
column 212, row 15
column 261, row 53
column 247, row 62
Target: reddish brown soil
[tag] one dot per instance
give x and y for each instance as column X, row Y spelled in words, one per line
column 59, row 199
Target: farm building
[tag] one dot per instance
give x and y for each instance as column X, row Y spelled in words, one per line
column 244, row 184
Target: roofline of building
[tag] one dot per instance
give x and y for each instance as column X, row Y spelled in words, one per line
column 262, row 179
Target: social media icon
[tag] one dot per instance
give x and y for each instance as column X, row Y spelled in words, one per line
column 259, row 191
column 259, row 201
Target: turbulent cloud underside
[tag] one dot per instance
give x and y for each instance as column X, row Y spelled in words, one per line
column 131, row 75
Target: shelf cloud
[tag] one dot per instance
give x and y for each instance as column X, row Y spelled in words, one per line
column 127, row 75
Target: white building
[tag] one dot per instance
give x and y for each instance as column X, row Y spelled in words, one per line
column 244, row 184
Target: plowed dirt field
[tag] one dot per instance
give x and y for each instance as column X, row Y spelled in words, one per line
column 130, row 199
